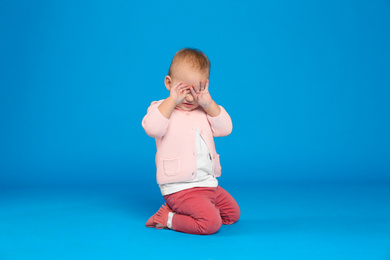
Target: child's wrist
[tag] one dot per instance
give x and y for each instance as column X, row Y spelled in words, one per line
column 206, row 106
column 172, row 100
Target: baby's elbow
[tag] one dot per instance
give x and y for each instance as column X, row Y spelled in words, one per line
column 152, row 131
column 229, row 129
column 223, row 132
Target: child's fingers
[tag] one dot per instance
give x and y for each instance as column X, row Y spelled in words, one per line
column 177, row 85
column 193, row 91
column 201, row 86
column 207, row 85
column 196, row 88
column 186, row 86
column 184, row 90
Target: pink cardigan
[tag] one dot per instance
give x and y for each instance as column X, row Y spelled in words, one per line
column 175, row 140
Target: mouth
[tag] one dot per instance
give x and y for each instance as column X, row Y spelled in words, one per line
column 187, row 104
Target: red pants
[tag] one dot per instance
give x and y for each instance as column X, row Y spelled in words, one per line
column 202, row 210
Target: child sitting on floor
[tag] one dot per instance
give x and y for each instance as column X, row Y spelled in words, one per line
column 183, row 126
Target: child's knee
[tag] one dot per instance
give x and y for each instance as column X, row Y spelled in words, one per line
column 232, row 216
column 210, row 225
column 236, row 214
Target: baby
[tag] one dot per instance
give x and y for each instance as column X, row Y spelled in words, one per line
column 183, row 126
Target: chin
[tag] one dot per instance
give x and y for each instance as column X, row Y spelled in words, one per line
column 182, row 107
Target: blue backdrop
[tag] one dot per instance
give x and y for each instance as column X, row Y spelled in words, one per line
column 306, row 83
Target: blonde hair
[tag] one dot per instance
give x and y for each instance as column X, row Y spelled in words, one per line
column 195, row 57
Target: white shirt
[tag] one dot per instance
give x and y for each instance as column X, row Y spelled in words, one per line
column 204, row 173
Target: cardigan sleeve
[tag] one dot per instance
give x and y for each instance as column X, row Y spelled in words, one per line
column 221, row 125
column 154, row 123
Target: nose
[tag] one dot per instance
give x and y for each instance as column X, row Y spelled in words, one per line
column 189, row 97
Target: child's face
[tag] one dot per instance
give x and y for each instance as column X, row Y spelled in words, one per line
column 192, row 76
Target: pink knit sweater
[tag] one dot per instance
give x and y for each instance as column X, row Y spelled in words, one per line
column 175, row 140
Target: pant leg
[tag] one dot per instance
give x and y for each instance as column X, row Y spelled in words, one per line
column 228, row 207
column 195, row 211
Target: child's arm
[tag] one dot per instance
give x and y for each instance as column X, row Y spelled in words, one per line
column 176, row 96
column 202, row 95
column 213, row 110
column 220, row 121
column 154, row 123
column 221, row 125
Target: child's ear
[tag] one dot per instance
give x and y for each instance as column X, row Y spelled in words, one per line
column 168, row 82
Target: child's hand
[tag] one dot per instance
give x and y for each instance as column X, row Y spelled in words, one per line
column 179, row 92
column 201, row 94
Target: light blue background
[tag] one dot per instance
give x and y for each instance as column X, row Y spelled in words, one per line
column 305, row 82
